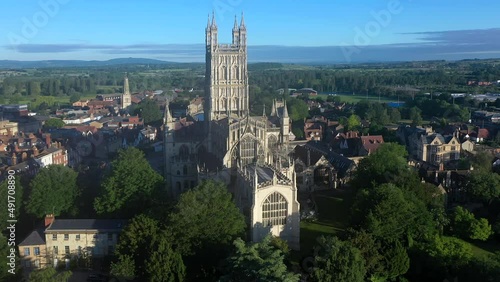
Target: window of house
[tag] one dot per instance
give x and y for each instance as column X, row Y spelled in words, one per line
column 36, row 250
column 274, row 210
column 66, row 250
column 54, row 237
column 66, row 237
column 95, row 237
column 453, row 148
column 56, row 250
column 110, row 236
column 26, row 251
column 77, row 237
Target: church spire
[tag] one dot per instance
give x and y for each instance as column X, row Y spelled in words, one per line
column 273, row 109
column 214, row 24
column 208, row 22
column 285, row 110
column 264, row 110
column 126, row 89
column 168, row 116
column 235, row 27
column 242, row 24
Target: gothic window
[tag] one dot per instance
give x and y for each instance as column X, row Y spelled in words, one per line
column 178, row 186
column 185, row 170
column 274, row 210
column 250, row 150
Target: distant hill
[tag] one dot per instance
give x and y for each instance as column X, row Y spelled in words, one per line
column 10, row 64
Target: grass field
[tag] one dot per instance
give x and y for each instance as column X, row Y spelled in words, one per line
column 359, row 97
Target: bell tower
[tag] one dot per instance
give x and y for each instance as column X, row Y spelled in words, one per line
column 226, row 75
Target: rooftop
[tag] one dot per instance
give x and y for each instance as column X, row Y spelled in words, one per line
column 86, row 224
column 36, row 237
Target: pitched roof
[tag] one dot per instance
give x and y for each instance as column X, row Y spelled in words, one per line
column 36, row 237
column 86, row 224
column 303, row 153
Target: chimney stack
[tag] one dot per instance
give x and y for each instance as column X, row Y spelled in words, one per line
column 49, row 219
column 48, row 140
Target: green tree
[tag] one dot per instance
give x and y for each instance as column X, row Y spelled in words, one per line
column 385, row 165
column 74, row 98
column 337, row 261
column 149, row 111
column 205, row 222
column 130, row 186
column 53, row 190
column 206, row 215
column 416, row 116
column 395, row 115
column 370, row 250
column 353, row 122
column 298, row 109
column 465, row 225
column 483, row 185
column 53, row 123
column 396, row 261
column 49, row 274
column 257, row 262
column 145, row 252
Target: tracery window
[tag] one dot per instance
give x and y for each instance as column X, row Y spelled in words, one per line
column 274, row 210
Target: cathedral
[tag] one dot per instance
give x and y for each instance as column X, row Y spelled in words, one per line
column 248, row 153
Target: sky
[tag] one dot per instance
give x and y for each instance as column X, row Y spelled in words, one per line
column 341, row 31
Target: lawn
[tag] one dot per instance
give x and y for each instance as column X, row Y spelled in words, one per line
column 482, row 249
column 333, row 217
column 360, row 97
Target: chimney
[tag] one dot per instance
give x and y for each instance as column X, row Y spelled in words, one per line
column 35, row 151
column 441, row 167
column 49, row 219
column 48, row 140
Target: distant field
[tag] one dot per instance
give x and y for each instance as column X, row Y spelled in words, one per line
column 359, row 97
column 58, row 99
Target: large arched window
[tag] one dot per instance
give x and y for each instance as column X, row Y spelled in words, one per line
column 247, row 150
column 274, row 210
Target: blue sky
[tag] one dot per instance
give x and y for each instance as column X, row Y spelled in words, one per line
column 174, row 30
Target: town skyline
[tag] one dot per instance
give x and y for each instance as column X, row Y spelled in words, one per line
column 362, row 31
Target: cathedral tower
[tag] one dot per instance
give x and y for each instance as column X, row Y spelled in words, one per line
column 226, row 73
column 126, row 98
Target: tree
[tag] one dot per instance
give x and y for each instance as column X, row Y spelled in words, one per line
column 416, row 116
column 257, row 262
column 129, row 186
column 396, row 261
column 298, row 109
column 49, row 274
column 205, row 222
column 385, row 165
column 483, row 186
column 465, row 225
column 145, row 251
column 205, row 215
column 353, row 122
column 337, row 261
column 74, row 98
column 395, row 115
column 53, row 191
column 370, row 250
column 53, row 123
column 150, row 111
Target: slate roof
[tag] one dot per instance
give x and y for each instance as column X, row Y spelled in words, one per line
column 301, row 152
column 36, row 237
column 86, row 224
